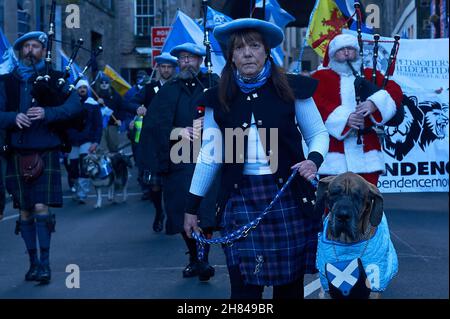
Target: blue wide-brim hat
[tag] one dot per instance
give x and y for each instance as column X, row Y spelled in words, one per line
column 188, row 47
column 166, row 58
column 34, row 35
column 271, row 33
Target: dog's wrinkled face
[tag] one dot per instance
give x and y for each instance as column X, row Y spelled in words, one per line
column 352, row 204
column 347, row 201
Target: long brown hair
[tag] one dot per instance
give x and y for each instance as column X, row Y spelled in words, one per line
column 228, row 88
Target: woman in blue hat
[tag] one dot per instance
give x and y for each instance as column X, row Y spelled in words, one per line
column 273, row 112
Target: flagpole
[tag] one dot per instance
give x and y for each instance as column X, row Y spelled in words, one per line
column 153, row 72
column 300, row 58
column 264, row 10
column 98, row 97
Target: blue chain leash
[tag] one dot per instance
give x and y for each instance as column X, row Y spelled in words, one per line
column 242, row 232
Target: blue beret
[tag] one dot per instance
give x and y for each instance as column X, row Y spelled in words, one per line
column 188, row 47
column 34, row 35
column 271, row 33
column 166, row 58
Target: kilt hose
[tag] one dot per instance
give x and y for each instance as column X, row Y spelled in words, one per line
column 283, row 246
column 47, row 189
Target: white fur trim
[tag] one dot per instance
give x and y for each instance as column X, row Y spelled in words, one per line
column 341, row 41
column 91, row 101
column 354, row 160
column 385, row 104
column 337, row 120
column 82, row 83
column 334, row 164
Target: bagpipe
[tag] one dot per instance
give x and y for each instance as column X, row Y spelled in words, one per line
column 207, row 42
column 50, row 89
column 365, row 88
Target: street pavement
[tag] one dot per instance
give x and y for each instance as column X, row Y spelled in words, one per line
column 120, row 257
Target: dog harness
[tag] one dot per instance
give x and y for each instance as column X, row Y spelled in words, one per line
column 378, row 257
column 105, row 167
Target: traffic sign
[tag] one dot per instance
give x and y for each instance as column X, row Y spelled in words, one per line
column 159, row 35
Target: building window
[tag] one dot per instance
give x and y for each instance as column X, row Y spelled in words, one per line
column 144, row 17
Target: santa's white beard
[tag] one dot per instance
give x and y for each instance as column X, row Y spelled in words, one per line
column 343, row 68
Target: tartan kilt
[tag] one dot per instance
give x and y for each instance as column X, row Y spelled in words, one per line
column 283, row 246
column 47, row 189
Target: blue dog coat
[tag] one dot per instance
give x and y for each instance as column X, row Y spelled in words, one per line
column 379, row 259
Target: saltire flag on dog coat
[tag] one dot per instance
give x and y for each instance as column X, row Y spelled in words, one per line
column 347, row 279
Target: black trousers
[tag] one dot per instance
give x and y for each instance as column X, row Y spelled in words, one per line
column 240, row 290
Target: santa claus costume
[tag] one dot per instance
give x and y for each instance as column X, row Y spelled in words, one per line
column 335, row 99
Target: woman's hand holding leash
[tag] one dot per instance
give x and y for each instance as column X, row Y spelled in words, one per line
column 93, row 148
column 191, row 224
column 307, row 169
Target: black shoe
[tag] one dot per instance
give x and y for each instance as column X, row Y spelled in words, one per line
column 146, row 196
column 32, row 273
column 191, row 270
column 158, row 223
column 206, row 271
column 44, row 274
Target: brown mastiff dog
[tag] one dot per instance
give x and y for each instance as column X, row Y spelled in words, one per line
column 354, row 229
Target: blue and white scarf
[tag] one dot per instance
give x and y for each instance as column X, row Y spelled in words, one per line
column 25, row 72
column 248, row 85
column 379, row 259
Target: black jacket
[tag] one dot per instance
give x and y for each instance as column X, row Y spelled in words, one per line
column 146, row 95
column 164, row 114
column 15, row 97
column 92, row 130
column 270, row 112
column 174, row 106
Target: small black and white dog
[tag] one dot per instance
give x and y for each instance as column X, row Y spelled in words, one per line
column 108, row 171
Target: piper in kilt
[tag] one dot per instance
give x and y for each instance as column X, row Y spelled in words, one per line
column 33, row 175
column 255, row 97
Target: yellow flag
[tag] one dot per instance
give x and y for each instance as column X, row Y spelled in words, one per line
column 326, row 22
column 117, row 82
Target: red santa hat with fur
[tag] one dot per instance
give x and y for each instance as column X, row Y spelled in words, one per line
column 338, row 42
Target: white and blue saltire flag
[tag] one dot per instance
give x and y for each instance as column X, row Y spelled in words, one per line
column 343, row 275
column 106, row 114
column 215, row 18
column 347, row 8
column 75, row 70
column 185, row 29
column 8, row 60
column 280, row 17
